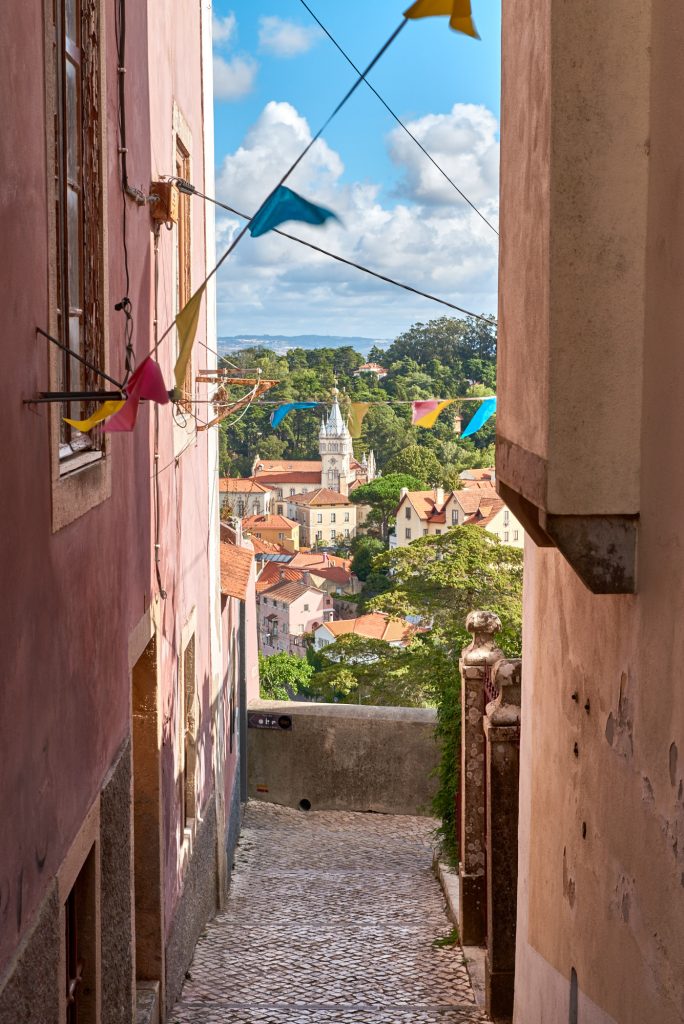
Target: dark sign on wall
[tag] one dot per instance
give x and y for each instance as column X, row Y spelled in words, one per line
column 262, row 720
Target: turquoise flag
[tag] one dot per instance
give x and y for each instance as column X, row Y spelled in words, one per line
column 487, row 409
column 279, row 414
column 284, row 204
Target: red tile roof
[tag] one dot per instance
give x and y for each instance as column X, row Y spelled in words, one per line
column 269, row 522
column 294, row 477
column 274, row 573
column 375, row 626
column 244, row 485
column 291, row 590
column 321, row 496
column 264, row 547
column 319, row 560
column 236, row 568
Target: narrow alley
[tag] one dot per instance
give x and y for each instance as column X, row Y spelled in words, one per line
column 332, row 918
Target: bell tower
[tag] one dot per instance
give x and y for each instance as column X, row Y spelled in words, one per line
column 336, row 449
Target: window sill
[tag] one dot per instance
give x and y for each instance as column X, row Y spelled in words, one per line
column 80, row 485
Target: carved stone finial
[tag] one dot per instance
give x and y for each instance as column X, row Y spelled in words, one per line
column 507, row 676
column 482, row 650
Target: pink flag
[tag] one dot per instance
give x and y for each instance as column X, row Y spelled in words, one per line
column 147, row 382
column 425, row 413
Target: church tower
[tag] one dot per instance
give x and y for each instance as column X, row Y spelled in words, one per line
column 337, row 451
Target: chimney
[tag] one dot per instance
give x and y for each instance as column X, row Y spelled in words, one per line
column 403, row 493
column 306, row 578
column 439, row 496
column 281, row 573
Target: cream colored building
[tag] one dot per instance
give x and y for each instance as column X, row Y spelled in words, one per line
column 326, row 518
column 431, row 513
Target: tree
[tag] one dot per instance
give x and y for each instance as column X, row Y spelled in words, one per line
column 283, row 676
column 365, row 549
column 382, row 495
column 418, row 462
column 443, row 578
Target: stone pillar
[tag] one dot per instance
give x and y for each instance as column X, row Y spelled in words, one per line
column 502, row 736
column 476, row 657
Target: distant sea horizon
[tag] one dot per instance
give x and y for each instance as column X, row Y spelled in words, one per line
column 280, row 343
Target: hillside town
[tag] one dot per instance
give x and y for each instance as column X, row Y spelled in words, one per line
column 300, row 519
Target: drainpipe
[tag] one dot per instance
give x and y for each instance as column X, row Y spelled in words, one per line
column 242, row 639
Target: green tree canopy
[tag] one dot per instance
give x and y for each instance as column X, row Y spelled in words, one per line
column 382, row 495
column 282, row 676
column 364, row 551
column 418, row 462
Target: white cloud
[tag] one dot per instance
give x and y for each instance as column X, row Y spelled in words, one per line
column 427, row 237
column 223, row 29
column 233, row 78
column 285, row 38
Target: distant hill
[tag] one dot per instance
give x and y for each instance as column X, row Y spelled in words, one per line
column 282, row 342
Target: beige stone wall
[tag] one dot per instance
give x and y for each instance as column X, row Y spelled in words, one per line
column 591, row 371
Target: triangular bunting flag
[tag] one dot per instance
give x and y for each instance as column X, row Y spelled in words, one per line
column 425, row 413
column 458, row 11
column 279, row 414
column 186, row 325
column 147, row 382
column 104, row 412
column 487, row 409
column 284, row 204
column 356, row 414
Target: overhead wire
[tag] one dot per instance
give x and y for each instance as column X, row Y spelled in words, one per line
column 186, row 186
column 396, row 117
column 241, row 234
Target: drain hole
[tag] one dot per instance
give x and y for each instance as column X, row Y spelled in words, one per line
column 305, row 805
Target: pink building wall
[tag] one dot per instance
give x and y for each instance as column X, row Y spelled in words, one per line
column 293, row 620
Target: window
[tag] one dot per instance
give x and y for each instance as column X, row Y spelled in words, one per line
column 333, row 534
column 77, row 178
column 333, row 517
column 425, row 532
column 281, row 536
column 346, row 533
column 346, row 517
column 184, row 255
column 80, row 921
column 319, row 517
column 506, row 537
column 280, row 493
column 407, row 512
column 280, row 511
column 319, row 535
column 292, row 492
column 454, row 517
column 507, row 516
column 240, row 508
column 516, row 534
column 407, row 533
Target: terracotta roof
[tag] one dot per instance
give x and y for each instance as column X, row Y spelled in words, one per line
column 265, row 547
column 290, row 591
column 319, row 560
column 268, row 522
column 236, row 568
column 371, row 366
column 274, row 573
column 237, row 485
column 470, row 498
column 297, row 477
column 265, row 466
column 423, row 502
column 375, row 626
column 332, row 573
column 321, row 496
column 477, row 474
column 486, row 512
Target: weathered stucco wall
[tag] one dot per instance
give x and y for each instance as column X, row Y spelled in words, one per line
column 601, row 865
column 344, row 757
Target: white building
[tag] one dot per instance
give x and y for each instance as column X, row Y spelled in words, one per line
column 433, row 512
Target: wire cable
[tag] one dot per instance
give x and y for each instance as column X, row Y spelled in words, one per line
column 398, row 119
column 185, row 186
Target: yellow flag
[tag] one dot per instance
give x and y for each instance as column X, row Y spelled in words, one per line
column 458, row 11
column 186, row 325
column 356, row 413
column 106, row 410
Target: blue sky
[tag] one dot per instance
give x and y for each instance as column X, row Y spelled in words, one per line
column 276, row 79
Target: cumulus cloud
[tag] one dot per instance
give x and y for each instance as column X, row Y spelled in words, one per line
column 286, row 38
column 422, row 236
column 224, row 29
column 233, row 78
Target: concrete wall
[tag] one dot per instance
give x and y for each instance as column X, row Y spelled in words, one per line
column 601, row 865
column 344, row 757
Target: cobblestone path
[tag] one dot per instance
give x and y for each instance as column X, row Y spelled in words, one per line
column 331, row 919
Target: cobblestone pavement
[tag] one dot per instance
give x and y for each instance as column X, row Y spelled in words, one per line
column 331, row 919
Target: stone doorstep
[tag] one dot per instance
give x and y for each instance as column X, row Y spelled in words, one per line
column 473, row 956
column 147, row 1002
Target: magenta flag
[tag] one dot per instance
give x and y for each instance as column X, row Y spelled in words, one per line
column 146, row 382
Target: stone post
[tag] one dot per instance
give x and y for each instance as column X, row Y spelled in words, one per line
column 502, row 735
column 480, row 653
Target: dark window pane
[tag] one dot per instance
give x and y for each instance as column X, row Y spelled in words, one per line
column 71, row 20
column 74, row 248
column 72, row 122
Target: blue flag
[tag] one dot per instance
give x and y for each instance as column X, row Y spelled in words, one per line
column 282, row 205
column 487, row 409
column 279, row 414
